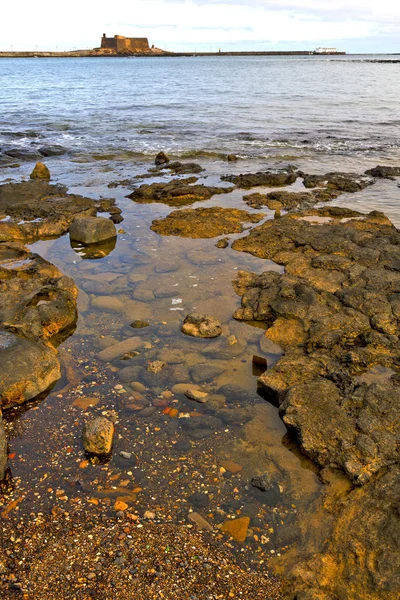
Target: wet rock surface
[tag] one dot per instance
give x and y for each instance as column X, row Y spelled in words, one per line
column 178, row 192
column 27, row 369
column 37, row 310
column 37, row 209
column 343, row 182
column 335, row 312
column 179, row 168
column 267, row 178
column 384, row 172
column 204, row 222
column 283, row 200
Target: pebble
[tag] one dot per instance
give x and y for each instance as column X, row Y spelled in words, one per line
column 136, row 386
column 127, row 455
column 199, row 521
column 196, row 395
column 149, row 515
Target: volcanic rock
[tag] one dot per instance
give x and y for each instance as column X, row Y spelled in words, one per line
column 384, row 172
column 27, row 369
column 38, row 209
column 178, row 192
column 343, row 182
column 204, row 222
column 267, row 178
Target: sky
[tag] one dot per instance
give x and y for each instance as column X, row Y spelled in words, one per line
column 355, row 26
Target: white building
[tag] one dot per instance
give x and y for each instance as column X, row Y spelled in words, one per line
column 325, row 51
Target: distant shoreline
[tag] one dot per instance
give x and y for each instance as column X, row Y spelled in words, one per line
column 94, row 54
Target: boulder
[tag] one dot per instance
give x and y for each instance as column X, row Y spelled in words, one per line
column 40, row 171
column 36, row 300
column 54, row 150
column 92, row 230
column 97, row 436
column 27, row 369
column 203, row 326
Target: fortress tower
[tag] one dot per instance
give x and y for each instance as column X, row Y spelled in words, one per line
column 122, row 45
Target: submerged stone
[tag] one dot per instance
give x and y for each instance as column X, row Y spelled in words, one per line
column 237, row 528
column 203, row 326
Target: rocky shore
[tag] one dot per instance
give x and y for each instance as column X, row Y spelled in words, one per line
column 325, row 314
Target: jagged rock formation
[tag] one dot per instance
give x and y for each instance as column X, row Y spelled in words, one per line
column 336, row 314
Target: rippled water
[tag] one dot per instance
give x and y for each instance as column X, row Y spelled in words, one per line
column 255, row 106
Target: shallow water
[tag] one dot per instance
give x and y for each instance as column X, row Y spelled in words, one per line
column 111, row 116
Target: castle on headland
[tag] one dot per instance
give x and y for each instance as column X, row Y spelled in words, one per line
column 124, row 45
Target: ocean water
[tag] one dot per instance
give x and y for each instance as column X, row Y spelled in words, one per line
column 321, row 113
column 254, row 106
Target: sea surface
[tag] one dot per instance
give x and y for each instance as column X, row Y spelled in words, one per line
column 110, row 117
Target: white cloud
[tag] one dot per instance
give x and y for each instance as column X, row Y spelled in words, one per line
column 174, row 23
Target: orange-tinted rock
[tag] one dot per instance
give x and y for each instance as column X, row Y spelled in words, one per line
column 40, row 171
column 237, row 529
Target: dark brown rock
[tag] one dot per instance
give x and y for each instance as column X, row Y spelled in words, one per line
column 267, row 178
column 161, row 159
column 384, row 172
column 178, row 192
column 179, row 168
column 283, row 200
column 343, row 182
column 335, row 312
column 27, row 369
